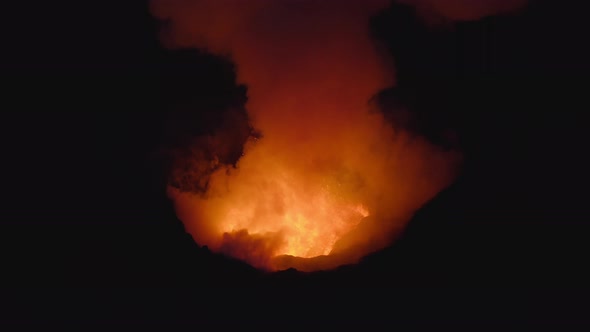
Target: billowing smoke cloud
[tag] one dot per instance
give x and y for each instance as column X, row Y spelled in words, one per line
column 329, row 179
column 464, row 10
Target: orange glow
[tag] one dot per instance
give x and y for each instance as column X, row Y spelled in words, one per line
column 269, row 196
column 330, row 180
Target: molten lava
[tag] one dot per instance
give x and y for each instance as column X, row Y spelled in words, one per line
column 310, row 220
column 271, row 199
column 330, row 180
column 315, row 200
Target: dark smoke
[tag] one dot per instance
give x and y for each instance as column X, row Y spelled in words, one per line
column 437, row 11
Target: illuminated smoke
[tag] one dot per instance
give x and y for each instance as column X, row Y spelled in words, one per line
column 329, row 180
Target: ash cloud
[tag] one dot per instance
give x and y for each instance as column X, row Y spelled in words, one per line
column 334, row 177
column 197, row 157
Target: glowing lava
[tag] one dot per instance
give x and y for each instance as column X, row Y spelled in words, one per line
column 268, row 206
column 310, row 220
column 330, row 180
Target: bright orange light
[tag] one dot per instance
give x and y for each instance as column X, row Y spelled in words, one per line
column 330, row 180
column 310, row 221
column 302, row 209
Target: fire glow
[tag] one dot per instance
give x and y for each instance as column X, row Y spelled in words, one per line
column 330, row 180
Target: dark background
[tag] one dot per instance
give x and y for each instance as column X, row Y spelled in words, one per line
column 89, row 97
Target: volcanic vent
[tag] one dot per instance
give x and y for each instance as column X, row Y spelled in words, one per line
column 329, row 179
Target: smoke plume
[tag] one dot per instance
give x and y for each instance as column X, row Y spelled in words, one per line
column 329, row 179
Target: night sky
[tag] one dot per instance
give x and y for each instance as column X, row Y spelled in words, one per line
column 90, row 98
